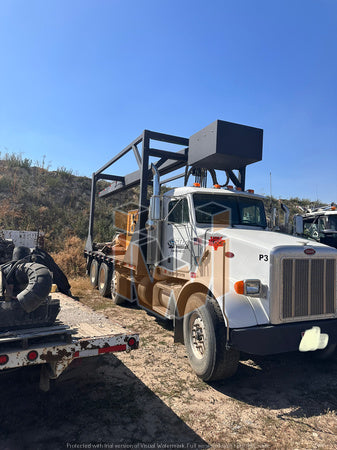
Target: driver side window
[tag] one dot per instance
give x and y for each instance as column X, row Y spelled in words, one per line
column 321, row 224
column 178, row 211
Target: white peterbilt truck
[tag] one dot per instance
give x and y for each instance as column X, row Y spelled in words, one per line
column 205, row 257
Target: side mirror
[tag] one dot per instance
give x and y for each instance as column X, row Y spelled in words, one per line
column 286, row 211
column 154, row 213
column 274, row 220
column 298, row 224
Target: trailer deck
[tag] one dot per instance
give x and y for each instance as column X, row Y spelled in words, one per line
column 79, row 332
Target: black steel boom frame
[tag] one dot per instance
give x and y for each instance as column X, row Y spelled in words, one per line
column 168, row 162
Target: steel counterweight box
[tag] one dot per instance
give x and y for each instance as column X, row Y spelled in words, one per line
column 225, row 145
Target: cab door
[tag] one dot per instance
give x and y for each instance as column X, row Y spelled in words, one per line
column 177, row 238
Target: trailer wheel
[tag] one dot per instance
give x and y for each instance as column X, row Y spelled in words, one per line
column 116, row 298
column 205, row 339
column 104, row 280
column 94, row 268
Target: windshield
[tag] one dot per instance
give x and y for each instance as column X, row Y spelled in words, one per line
column 331, row 223
column 227, row 210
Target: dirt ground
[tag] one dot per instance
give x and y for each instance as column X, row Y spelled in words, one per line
column 150, row 398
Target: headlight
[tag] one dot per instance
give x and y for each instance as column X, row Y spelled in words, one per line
column 248, row 287
column 252, row 287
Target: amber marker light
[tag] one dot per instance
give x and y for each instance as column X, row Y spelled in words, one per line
column 239, row 287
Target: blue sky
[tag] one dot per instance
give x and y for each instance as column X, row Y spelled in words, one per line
column 80, row 79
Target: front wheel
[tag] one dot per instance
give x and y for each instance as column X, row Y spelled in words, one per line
column 205, row 340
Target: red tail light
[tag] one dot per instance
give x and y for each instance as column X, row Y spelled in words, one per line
column 31, row 356
column 132, row 342
column 3, row 360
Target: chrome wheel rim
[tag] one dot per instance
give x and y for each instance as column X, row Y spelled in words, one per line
column 197, row 335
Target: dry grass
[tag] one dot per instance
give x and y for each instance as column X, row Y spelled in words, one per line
column 82, row 289
column 71, row 259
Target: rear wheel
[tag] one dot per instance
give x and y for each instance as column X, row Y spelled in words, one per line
column 205, row 340
column 116, row 298
column 104, row 280
column 94, row 268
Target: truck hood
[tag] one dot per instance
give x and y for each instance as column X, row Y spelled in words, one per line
column 264, row 238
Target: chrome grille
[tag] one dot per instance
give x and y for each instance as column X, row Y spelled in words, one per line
column 308, row 287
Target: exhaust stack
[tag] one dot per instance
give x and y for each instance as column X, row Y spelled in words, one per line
column 153, row 222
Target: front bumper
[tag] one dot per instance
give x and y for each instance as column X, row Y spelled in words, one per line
column 272, row 339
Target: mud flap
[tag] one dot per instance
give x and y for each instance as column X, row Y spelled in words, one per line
column 44, row 378
column 178, row 329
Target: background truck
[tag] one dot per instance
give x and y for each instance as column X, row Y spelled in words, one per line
column 29, row 239
column 319, row 224
column 205, row 258
column 13, row 238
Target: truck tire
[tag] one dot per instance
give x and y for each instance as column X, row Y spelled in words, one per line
column 38, row 280
column 104, row 280
column 94, row 269
column 205, row 339
column 115, row 297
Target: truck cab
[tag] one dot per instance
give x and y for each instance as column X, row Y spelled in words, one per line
column 193, row 213
column 219, row 238
column 321, row 225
